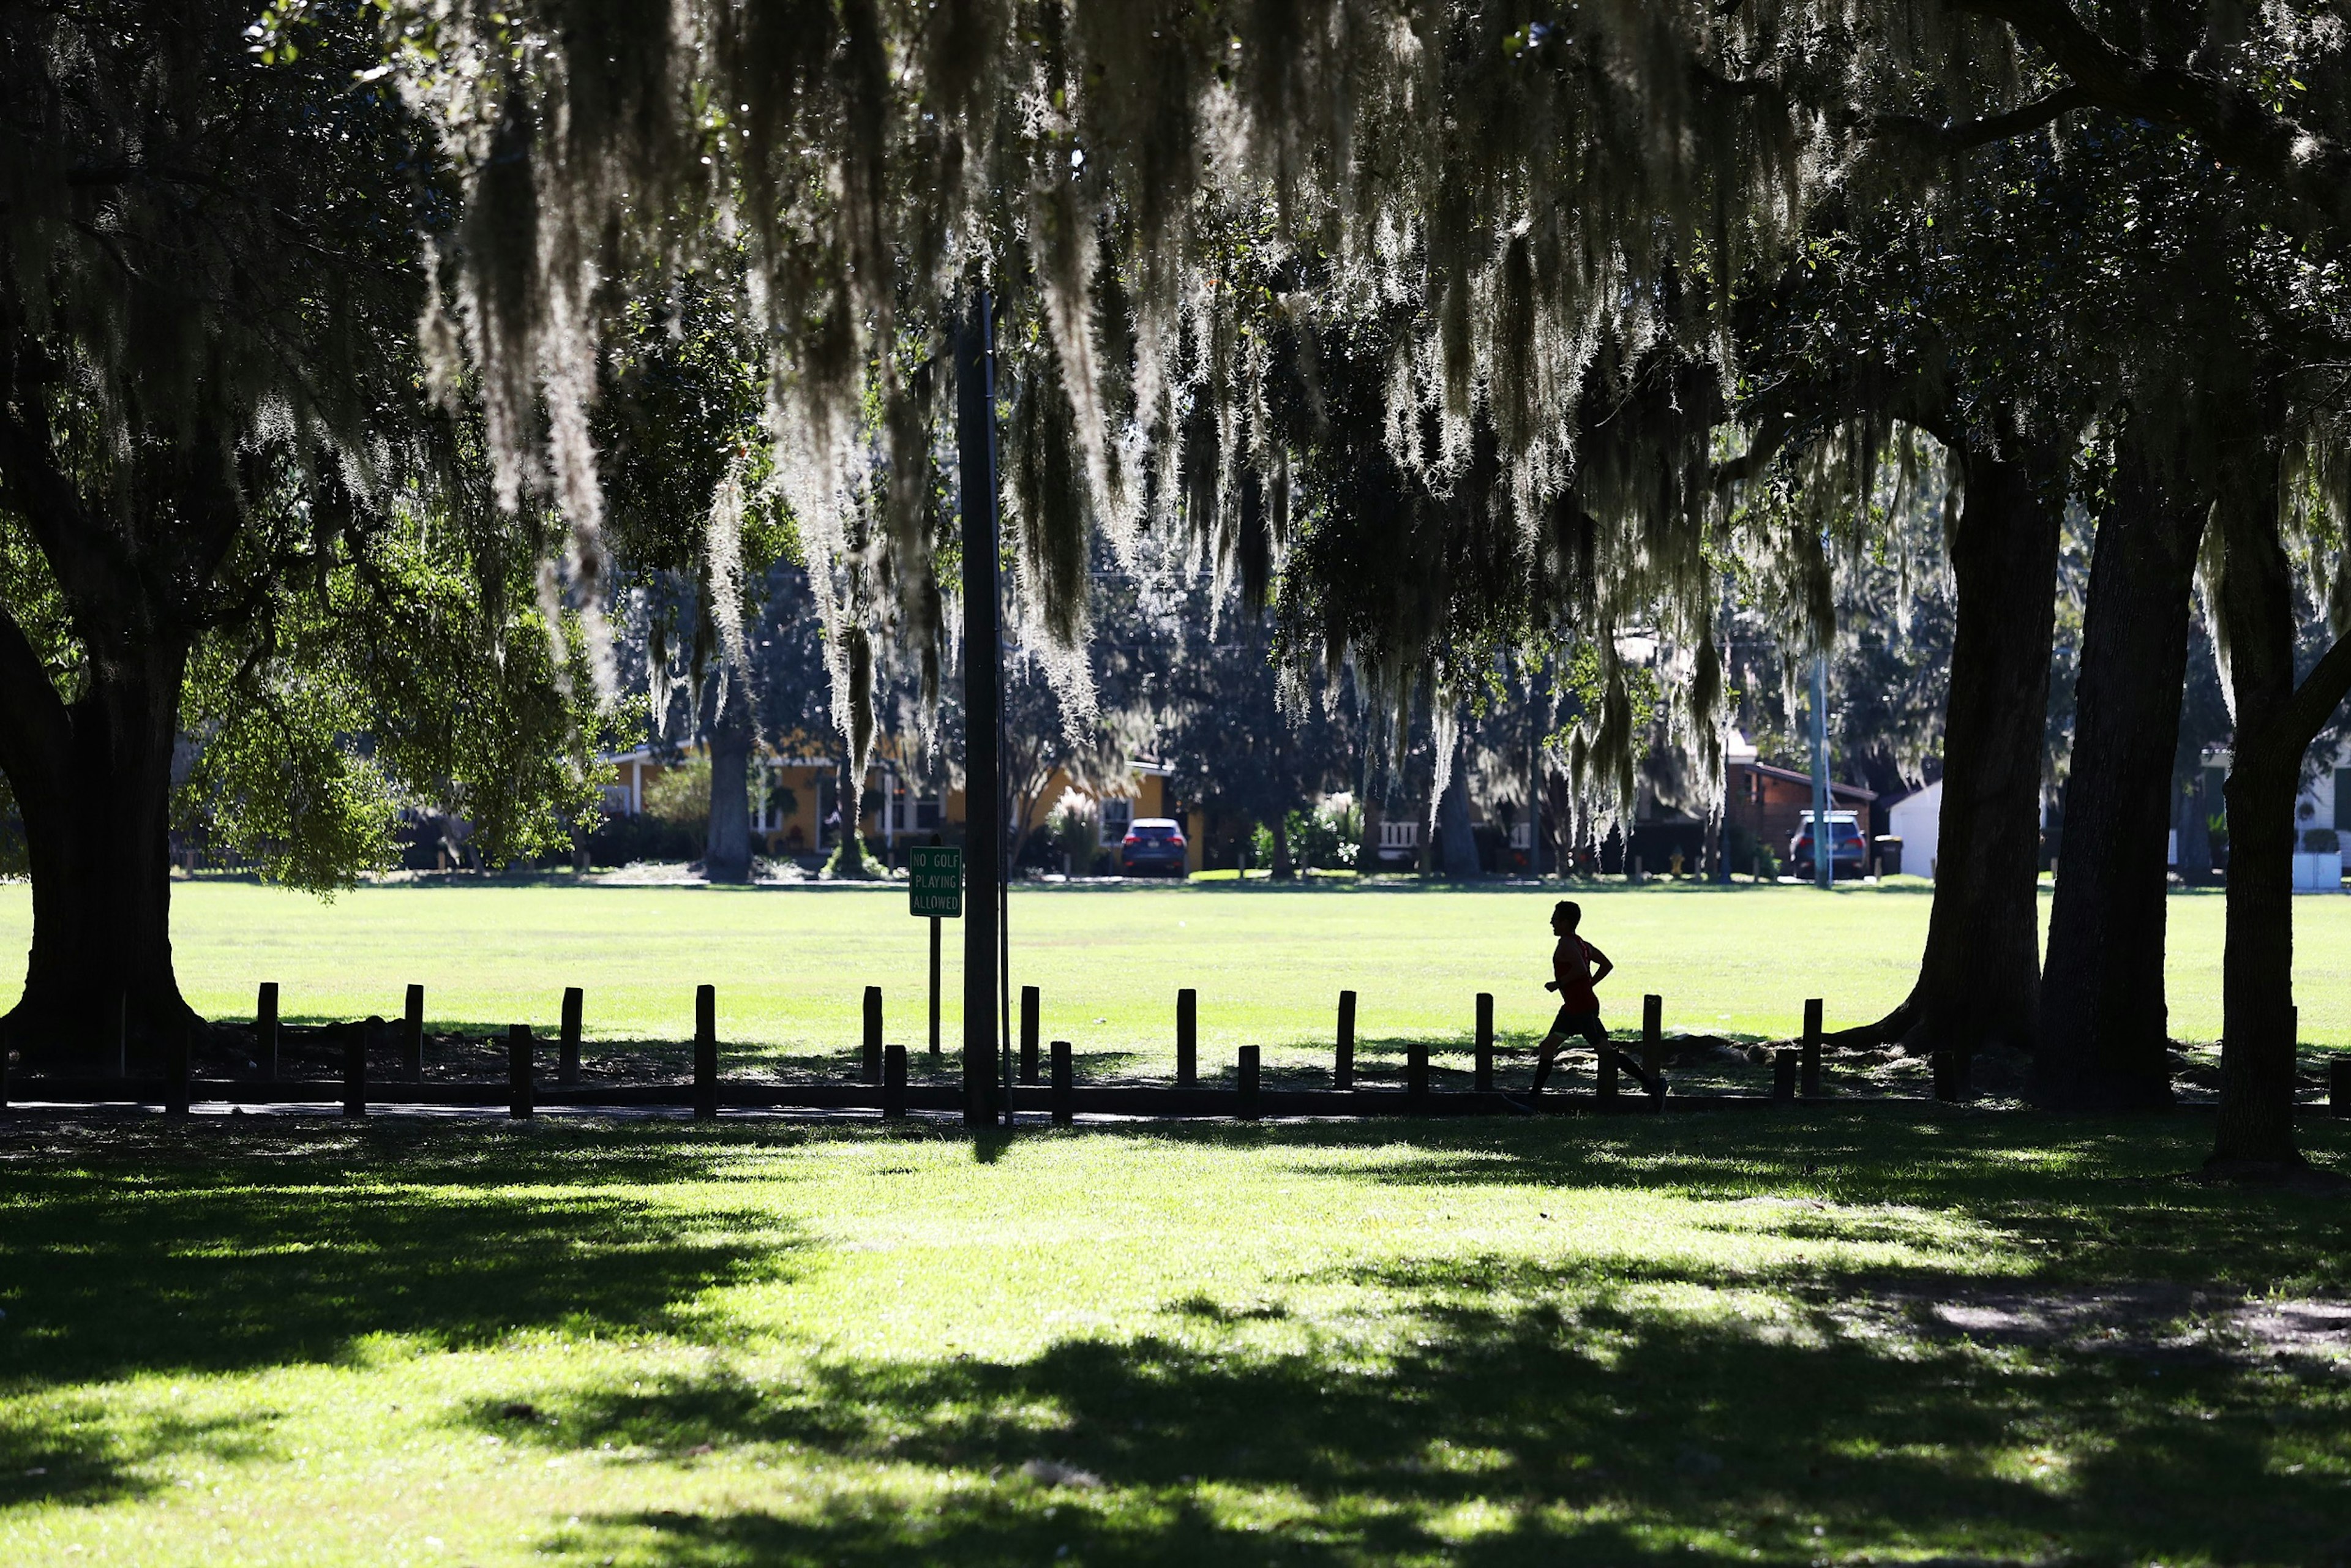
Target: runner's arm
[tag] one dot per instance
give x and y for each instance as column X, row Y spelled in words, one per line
column 1602, row 967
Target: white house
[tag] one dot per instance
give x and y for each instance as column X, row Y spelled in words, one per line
column 1916, row 819
column 2323, row 804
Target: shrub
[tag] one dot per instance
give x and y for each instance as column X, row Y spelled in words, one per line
column 681, row 796
column 1075, row 827
column 618, row 840
column 1329, row 838
column 2321, row 842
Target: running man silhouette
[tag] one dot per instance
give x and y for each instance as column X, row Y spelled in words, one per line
column 1574, row 976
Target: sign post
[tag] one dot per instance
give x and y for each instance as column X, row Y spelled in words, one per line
column 935, row 890
column 983, row 701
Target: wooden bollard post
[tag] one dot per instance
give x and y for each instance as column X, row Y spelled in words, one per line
column 1029, row 1030
column 1245, row 1080
column 567, row 1069
column 1653, row 1036
column 870, row 1067
column 1783, row 1078
column 1606, row 1072
column 2338, row 1087
column 176, row 1051
column 1485, row 1078
column 1415, row 1072
column 519, row 1071
column 264, row 1028
column 706, row 1053
column 1187, row 1038
column 1342, row 1072
column 411, row 1036
column 1809, row 1079
column 893, row 1083
column 355, row 1072
column 1065, row 1085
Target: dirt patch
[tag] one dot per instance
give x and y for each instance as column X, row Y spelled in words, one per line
column 2153, row 1322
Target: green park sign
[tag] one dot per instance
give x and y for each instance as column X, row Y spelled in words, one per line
column 934, row 883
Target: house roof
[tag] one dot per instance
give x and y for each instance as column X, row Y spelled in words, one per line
column 1926, row 793
column 1789, row 774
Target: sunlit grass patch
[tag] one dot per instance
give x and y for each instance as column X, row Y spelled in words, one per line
column 1961, row 1335
column 790, row 966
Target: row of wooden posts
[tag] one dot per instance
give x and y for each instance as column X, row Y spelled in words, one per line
column 1795, row 1072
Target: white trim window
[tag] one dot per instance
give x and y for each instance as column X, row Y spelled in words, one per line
column 1117, row 813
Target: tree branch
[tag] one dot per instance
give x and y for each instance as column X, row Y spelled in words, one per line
column 35, row 733
column 2312, row 170
column 1959, row 138
column 1771, row 433
column 2321, row 692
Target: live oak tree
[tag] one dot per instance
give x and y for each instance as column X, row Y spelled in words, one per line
column 1554, row 207
column 224, row 503
column 1245, row 736
column 1904, row 314
column 694, row 526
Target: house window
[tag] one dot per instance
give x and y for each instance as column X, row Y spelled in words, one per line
column 1115, row 816
column 926, row 814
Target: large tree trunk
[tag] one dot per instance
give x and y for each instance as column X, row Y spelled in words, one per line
column 2103, row 1041
column 93, row 781
column 1460, row 841
column 93, row 778
column 849, row 858
column 1367, row 852
column 2275, row 721
column 2192, row 818
column 1563, row 823
column 1283, row 871
column 727, row 854
column 1979, row 980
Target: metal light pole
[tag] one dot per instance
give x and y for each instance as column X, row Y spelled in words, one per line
column 1823, row 851
column 983, row 687
column 1534, row 772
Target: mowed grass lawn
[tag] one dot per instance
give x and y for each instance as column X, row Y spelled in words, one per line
column 791, row 964
column 1905, row 1334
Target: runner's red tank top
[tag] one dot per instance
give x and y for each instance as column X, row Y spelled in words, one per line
column 1571, row 965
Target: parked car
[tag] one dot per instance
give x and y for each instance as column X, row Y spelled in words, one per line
column 1848, row 853
column 1153, row 846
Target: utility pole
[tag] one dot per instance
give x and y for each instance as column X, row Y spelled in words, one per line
column 1824, row 850
column 983, row 689
column 1534, row 770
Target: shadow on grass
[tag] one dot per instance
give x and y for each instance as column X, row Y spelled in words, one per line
column 1475, row 1407
column 1532, row 1417
column 75, row 1454
column 2089, row 1199
column 1500, row 1409
column 145, row 1250
column 182, row 1248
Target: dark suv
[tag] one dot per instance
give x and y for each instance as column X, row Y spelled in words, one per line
column 1153, row 846
column 1848, row 853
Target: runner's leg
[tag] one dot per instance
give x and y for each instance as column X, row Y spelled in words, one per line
column 1548, row 1050
column 1595, row 1034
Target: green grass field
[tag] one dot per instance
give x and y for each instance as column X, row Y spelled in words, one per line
column 791, row 964
column 1906, row 1335
column 1897, row 1334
